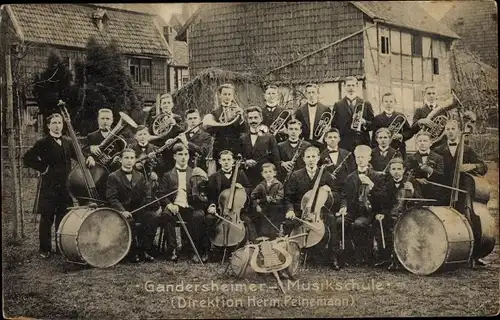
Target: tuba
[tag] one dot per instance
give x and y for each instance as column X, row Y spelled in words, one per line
column 113, row 144
column 438, row 116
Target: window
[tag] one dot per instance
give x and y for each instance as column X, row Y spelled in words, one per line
column 384, row 45
column 185, row 79
column 435, row 65
column 140, row 70
column 416, row 45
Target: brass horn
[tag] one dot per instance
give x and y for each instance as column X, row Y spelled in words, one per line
column 324, row 124
column 280, row 121
column 113, row 144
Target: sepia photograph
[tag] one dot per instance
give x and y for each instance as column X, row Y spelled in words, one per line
column 315, row 159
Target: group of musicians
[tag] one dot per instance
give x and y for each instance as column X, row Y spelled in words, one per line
column 365, row 177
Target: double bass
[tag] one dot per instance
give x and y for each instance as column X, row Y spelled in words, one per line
column 313, row 201
column 83, row 184
column 230, row 229
column 472, row 204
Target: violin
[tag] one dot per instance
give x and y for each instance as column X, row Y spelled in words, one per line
column 402, row 195
column 198, row 181
column 363, row 199
column 230, row 229
column 312, row 223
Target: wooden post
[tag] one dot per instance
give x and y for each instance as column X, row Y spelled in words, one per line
column 12, row 144
column 19, row 196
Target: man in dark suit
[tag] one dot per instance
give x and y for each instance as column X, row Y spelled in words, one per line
column 143, row 148
column 383, row 152
column 344, row 110
column 385, row 119
column 397, row 184
column 337, row 156
column 358, row 214
column 126, row 191
column 220, row 181
column 226, row 137
column 51, row 156
column 271, row 110
column 310, row 113
column 180, row 203
column 199, row 140
column 299, row 184
column 427, row 166
column 256, row 144
column 472, row 163
column 420, row 117
column 288, row 149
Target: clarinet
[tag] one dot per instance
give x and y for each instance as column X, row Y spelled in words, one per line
column 294, row 160
column 337, row 170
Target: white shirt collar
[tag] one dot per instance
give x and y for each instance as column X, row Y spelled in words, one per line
column 143, row 145
column 311, row 173
column 54, row 136
column 383, row 149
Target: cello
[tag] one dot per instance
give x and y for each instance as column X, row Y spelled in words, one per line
column 311, row 222
column 230, row 230
column 83, row 183
column 473, row 204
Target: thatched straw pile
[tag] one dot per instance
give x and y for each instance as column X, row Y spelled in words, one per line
column 200, row 92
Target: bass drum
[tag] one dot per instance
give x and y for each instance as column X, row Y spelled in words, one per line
column 428, row 239
column 99, row 237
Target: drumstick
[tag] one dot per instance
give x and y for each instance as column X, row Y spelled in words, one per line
column 379, row 218
column 343, row 241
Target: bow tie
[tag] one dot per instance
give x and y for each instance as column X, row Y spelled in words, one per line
column 227, row 172
column 58, row 139
column 253, row 133
column 270, row 109
column 181, row 170
column 398, row 182
column 127, row 172
column 312, row 106
column 453, row 144
column 424, row 154
column 362, row 172
column 294, row 144
column 333, row 151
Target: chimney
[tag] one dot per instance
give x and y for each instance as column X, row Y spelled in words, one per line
column 169, row 33
column 100, row 18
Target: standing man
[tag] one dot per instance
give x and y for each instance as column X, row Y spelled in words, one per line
column 292, row 148
column 198, row 140
column 256, row 144
column 344, row 112
column 310, row 113
column 226, row 137
column 385, row 119
column 271, row 110
column 94, row 139
column 51, row 156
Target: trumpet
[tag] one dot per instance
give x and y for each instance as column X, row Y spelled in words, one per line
column 113, row 144
column 357, row 116
column 280, row 121
column 324, row 124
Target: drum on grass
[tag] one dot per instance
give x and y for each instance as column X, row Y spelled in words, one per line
column 429, row 239
column 99, row 237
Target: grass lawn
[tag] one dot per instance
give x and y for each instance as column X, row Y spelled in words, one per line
column 56, row 289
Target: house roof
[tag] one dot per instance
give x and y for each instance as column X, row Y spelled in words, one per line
column 405, row 14
column 477, row 23
column 72, row 25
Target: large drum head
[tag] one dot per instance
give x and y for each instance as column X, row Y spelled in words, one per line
column 420, row 241
column 104, row 238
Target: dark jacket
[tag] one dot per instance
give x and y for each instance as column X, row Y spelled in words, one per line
column 382, row 121
column 265, row 143
column 392, row 193
column 93, row 139
column 302, row 114
column 218, row 182
column 351, row 191
column 378, row 161
column 347, row 167
column 300, row 183
column 269, row 117
column 170, row 183
column 262, row 191
column 228, row 138
column 286, row 154
column 47, row 154
column 199, row 142
column 125, row 195
column 422, row 113
column 435, row 161
column 343, row 120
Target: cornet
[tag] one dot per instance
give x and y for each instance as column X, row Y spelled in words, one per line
column 397, row 124
column 357, row 116
column 280, row 122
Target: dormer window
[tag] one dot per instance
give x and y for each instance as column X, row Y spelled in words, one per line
column 100, row 18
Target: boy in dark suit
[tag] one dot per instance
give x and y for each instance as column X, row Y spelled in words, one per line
column 287, row 149
column 383, row 153
column 344, row 110
column 143, row 148
column 267, row 198
column 51, row 156
column 256, row 144
column 427, row 166
column 126, row 191
column 358, row 215
column 385, row 119
column 299, row 184
column 310, row 113
column 337, row 156
column 180, row 203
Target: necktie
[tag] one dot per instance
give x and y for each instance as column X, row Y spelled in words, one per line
column 453, row 144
